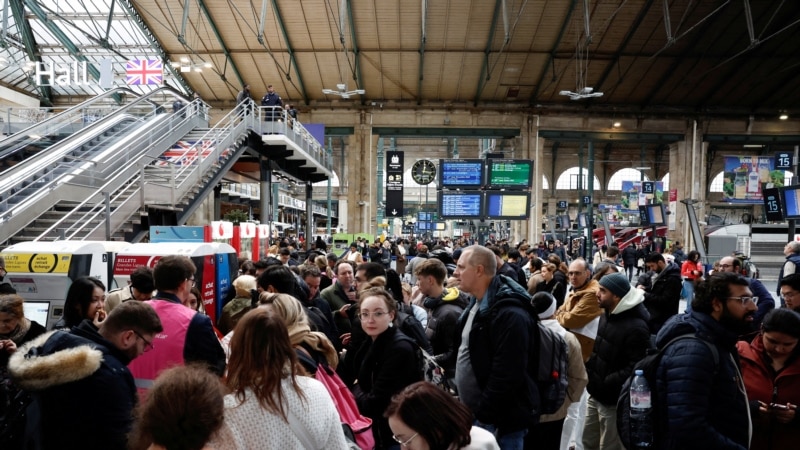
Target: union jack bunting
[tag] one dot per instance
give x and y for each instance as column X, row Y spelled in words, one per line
column 144, row 71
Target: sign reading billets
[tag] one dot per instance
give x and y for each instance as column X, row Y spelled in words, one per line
column 394, row 184
column 491, row 188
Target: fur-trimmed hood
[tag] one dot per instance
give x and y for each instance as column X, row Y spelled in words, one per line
column 54, row 359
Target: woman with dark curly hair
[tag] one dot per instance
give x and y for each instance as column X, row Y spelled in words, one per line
column 85, row 299
column 183, row 411
column 423, row 416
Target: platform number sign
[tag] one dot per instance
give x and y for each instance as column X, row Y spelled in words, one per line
column 772, row 205
column 562, row 204
column 587, row 200
column 783, row 161
column 648, row 187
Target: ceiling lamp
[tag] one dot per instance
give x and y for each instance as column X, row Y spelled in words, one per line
column 341, row 91
column 585, row 92
column 783, row 116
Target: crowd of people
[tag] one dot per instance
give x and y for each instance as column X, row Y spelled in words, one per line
column 144, row 367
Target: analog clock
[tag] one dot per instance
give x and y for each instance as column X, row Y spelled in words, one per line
column 423, row 172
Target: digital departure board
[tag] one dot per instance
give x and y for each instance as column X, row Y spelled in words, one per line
column 509, row 173
column 461, row 173
column 773, row 208
column 460, row 205
column 507, row 205
column 791, row 202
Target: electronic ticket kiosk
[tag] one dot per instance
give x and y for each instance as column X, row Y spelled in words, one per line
column 216, row 265
column 42, row 272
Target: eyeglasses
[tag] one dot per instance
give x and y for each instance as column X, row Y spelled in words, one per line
column 789, row 294
column 404, row 443
column 725, row 266
column 574, row 274
column 745, row 300
column 192, row 280
column 376, row 315
column 147, row 344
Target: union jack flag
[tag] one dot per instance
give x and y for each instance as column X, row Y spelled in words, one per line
column 144, row 71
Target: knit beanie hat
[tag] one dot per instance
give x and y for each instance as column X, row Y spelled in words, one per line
column 616, row 283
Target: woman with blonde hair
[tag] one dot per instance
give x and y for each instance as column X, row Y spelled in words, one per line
column 327, row 275
column 270, row 406
column 312, row 343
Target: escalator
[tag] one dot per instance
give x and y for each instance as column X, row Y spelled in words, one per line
column 170, row 164
column 26, row 139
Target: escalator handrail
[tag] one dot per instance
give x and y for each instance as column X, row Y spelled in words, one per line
column 34, row 164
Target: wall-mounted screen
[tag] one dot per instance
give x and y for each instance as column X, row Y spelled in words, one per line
column 461, row 173
column 460, row 204
column 509, row 173
column 644, row 219
column 791, row 202
column 564, row 221
column 507, row 205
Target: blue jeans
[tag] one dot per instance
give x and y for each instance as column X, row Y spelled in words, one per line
column 511, row 441
column 688, row 291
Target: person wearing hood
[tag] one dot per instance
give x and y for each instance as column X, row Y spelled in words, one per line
column 623, row 338
column 445, row 307
column 493, row 336
column 662, row 290
column 85, row 392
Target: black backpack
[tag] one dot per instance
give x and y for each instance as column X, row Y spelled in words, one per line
column 547, row 365
column 412, row 327
column 649, row 366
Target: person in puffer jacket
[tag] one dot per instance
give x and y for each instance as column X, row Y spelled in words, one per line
column 444, row 306
column 623, row 338
column 699, row 404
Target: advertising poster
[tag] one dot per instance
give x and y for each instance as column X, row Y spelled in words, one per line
column 673, row 207
column 746, row 177
column 633, row 195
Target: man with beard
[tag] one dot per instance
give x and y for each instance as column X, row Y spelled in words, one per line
column 84, row 392
column 701, row 398
column 765, row 301
column 662, row 290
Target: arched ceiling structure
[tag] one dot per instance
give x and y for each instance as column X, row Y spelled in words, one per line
column 667, row 57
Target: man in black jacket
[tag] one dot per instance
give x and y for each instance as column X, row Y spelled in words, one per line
column 623, row 338
column 701, row 398
column 493, row 338
column 84, row 391
column 662, row 290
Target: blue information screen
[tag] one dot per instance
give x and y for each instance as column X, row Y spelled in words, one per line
column 791, row 197
column 460, row 204
column 461, row 173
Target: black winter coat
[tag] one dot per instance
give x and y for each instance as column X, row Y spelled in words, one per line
column 386, row 366
column 663, row 297
column 444, row 313
column 704, row 407
column 622, row 340
column 629, row 256
column 84, row 387
column 502, row 331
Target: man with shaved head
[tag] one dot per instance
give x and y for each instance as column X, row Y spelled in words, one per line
column 493, row 337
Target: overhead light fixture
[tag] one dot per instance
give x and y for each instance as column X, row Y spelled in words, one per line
column 584, row 92
column 783, row 116
column 616, row 124
column 341, row 91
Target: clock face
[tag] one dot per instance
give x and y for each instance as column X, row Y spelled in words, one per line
column 423, row 172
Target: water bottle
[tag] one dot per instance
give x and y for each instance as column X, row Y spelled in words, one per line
column 641, row 409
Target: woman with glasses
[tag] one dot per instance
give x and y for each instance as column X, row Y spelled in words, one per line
column 85, row 299
column 423, row 416
column 270, row 405
column 771, row 372
column 386, row 362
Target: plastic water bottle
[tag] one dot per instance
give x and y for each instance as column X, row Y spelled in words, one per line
column 641, row 409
